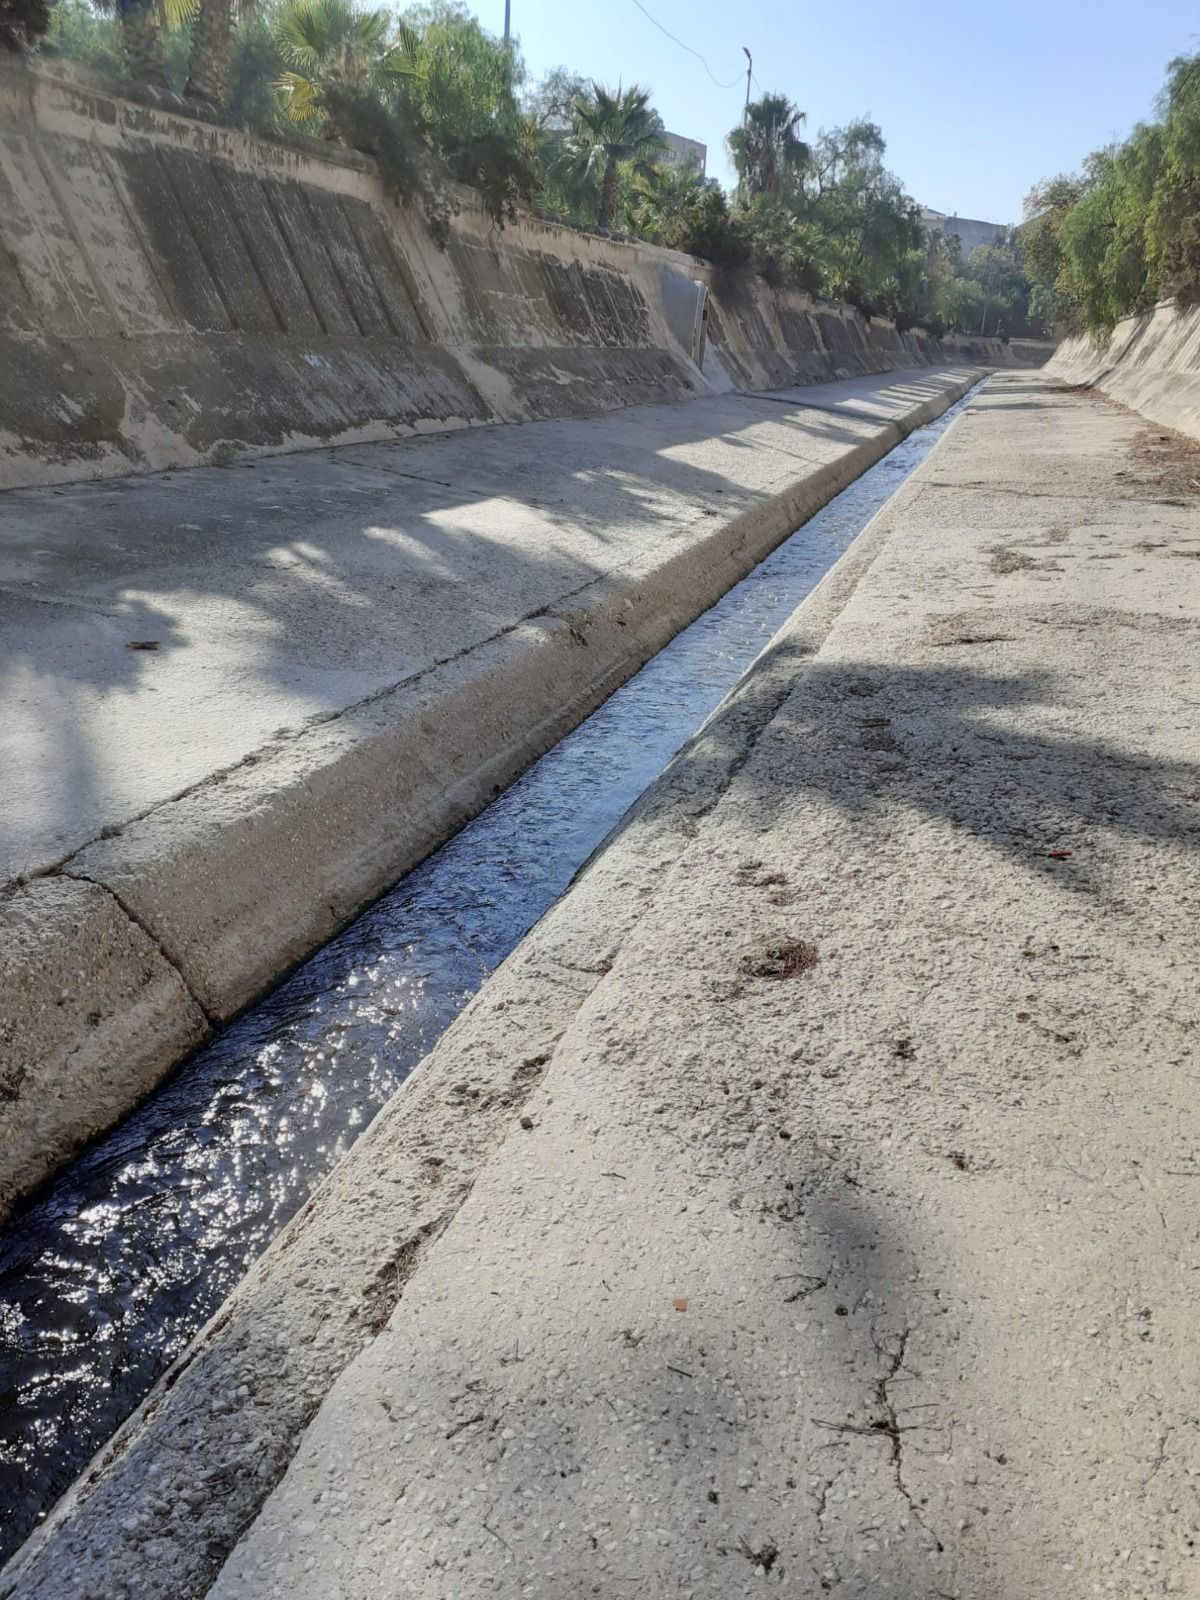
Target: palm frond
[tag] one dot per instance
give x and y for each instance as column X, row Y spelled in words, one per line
column 403, row 57
column 176, row 13
column 297, row 96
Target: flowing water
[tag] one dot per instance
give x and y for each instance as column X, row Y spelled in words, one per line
column 109, row 1271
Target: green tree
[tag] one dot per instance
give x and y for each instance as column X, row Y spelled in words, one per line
column 144, row 28
column 612, row 129
column 942, row 264
column 786, row 253
column 255, row 67
column 766, row 150
column 1052, row 305
column 997, row 269
column 677, row 208
column 662, row 196
column 79, row 31
column 552, row 103
column 349, row 76
column 465, row 88
column 1109, row 243
column 1104, row 233
column 964, row 306
column 549, row 113
column 1173, row 215
column 337, row 54
column 871, row 238
column 23, row 23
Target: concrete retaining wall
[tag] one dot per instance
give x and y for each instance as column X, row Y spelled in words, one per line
column 173, row 291
column 1151, row 364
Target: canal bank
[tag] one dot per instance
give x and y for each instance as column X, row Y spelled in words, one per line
column 244, row 701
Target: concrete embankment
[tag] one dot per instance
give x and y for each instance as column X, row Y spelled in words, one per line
column 174, row 291
column 346, row 656
column 809, row 1200
column 1151, row 364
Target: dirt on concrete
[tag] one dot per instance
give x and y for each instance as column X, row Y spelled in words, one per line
column 1166, row 464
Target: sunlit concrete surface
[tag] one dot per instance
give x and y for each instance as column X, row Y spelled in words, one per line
column 276, row 593
column 847, row 1241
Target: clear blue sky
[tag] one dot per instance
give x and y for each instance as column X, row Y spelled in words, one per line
column 977, row 102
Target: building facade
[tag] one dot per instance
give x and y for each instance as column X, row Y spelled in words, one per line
column 681, row 152
column 970, row 232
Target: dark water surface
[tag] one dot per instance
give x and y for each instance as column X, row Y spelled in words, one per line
column 111, row 1269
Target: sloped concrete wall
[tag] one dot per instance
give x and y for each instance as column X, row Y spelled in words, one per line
column 174, row 291
column 1151, row 364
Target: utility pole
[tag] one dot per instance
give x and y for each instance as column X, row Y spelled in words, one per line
column 507, row 20
column 749, row 72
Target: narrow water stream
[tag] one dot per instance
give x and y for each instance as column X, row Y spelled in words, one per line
column 108, row 1272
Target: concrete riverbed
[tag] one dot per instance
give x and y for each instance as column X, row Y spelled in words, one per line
column 239, row 703
column 809, row 1201
column 117, row 1263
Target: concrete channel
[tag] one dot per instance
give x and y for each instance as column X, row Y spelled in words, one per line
column 846, row 1241
column 353, row 654
column 106, row 1276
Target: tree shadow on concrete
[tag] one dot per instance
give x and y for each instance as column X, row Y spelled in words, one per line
column 739, row 1479
column 282, row 590
column 977, row 752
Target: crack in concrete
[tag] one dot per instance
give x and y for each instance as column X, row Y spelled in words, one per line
column 823, row 1497
column 445, row 483
column 16, row 591
column 143, row 927
column 890, row 1425
column 384, row 1293
column 1160, row 1459
column 1009, row 492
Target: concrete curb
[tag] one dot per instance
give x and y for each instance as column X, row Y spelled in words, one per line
column 222, row 891
column 331, row 1279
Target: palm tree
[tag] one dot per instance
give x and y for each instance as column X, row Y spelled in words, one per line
column 339, row 55
column 665, row 195
column 766, row 149
column 208, row 61
column 614, row 129
column 141, row 25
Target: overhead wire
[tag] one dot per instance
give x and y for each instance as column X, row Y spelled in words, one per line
column 688, row 48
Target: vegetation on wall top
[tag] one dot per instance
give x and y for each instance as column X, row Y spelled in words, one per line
column 1125, row 232
column 437, row 100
